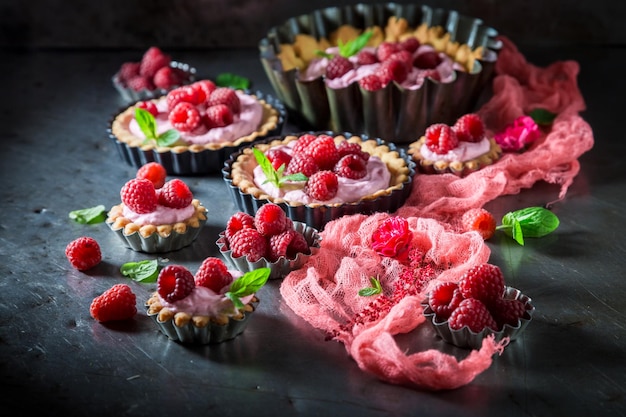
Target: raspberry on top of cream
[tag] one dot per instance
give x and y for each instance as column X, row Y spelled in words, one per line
column 161, row 215
column 465, row 151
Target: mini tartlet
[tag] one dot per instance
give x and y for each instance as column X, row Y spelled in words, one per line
column 188, row 156
column 239, row 175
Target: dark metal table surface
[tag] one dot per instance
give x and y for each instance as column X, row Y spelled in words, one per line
column 56, row 360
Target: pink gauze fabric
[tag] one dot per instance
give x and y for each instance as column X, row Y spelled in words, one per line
column 324, row 292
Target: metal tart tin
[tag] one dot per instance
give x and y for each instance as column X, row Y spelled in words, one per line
column 283, row 265
column 394, row 114
column 465, row 338
column 317, row 216
column 130, row 96
column 188, row 161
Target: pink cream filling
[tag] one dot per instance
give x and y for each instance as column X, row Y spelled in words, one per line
column 464, row 152
column 162, row 215
column 246, row 122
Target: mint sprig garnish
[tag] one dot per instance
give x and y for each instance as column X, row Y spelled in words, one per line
column 542, row 117
column 148, row 126
column 275, row 176
column 528, row 222
column 375, row 288
column 91, row 215
column 232, row 80
column 143, row 271
column 350, row 48
column 248, row 284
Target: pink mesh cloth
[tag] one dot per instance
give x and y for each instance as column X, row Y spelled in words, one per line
column 324, row 292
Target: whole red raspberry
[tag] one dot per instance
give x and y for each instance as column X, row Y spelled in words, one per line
column 405, row 57
column 174, row 283
column 153, row 60
column 473, row 314
column 440, row 138
column 149, row 106
column 153, row 172
column 203, row 89
column 302, row 163
column 302, row 142
column 371, row 82
column 324, row 152
column 386, row 49
column 139, row 83
column 479, row 220
column 270, row 219
column 175, row 194
column 249, row 243
column 444, row 298
column 213, row 274
column 392, row 70
column 484, row 282
column 287, row 244
column 322, row 186
column 410, row 44
column 338, row 66
column 227, row 96
column 83, row 253
column 185, row 117
column 117, row 303
column 218, row 115
column 127, row 71
column 166, row 78
column 139, row 195
column 278, row 157
column 185, row 94
column 427, row 60
column 238, row 221
column 469, row 128
column 366, row 58
column 347, row 148
column 507, row 312
column 351, row 166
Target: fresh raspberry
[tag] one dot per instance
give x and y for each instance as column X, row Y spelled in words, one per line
column 410, row 44
column 347, row 148
column 139, row 195
column 174, row 283
column 473, row 314
column 507, row 312
column 203, row 89
column 322, row 185
column 128, row 70
column 484, row 282
column 440, row 138
column 337, row 67
column 175, row 194
column 166, row 78
column 153, row 60
column 213, row 274
column 323, row 151
column 154, row 172
column 469, row 128
column 444, row 299
column 185, row 94
column 302, row 163
column 218, row 115
column 479, row 220
column 148, row 106
column 227, row 96
column 288, row 244
column 117, row 303
column 303, row 142
column 249, row 243
column 427, row 60
column 386, row 49
column 270, row 219
column 366, row 58
column 278, row 157
column 433, row 74
column 238, row 221
column 405, row 57
column 371, row 82
column 351, row 166
column 139, row 83
column 185, row 117
column 83, row 253
column 392, row 70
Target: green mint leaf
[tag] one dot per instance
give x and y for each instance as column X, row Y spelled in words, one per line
column 168, row 138
column 146, row 122
column 542, row 116
column 232, row 80
column 142, row 271
column 517, row 233
column 323, row 54
column 376, row 288
column 355, row 45
column 90, row 215
column 248, row 284
column 529, row 222
column 294, row 177
column 272, row 175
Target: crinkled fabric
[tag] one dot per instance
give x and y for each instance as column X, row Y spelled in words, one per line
column 324, row 292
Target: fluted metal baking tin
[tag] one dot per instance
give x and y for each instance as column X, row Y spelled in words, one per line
column 466, row 338
column 283, row 265
column 317, row 217
column 394, row 114
column 191, row 162
column 129, row 95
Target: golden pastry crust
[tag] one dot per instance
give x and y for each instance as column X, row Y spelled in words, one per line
column 243, row 176
column 458, row 168
column 117, row 221
column 120, row 129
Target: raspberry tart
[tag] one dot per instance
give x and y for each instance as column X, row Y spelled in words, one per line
column 459, row 149
column 153, row 220
column 192, row 129
column 316, row 177
column 210, row 307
